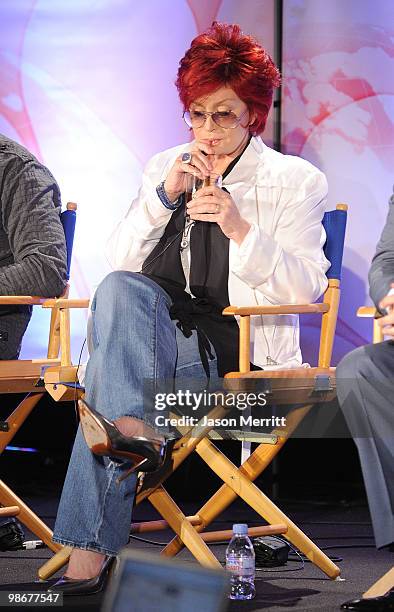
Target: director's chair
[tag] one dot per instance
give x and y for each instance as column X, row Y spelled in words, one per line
column 26, row 376
column 308, row 385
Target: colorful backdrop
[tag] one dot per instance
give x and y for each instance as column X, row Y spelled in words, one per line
column 88, row 86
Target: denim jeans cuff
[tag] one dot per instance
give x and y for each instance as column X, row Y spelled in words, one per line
column 85, row 546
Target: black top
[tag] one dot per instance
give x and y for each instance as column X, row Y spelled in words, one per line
column 209, row 256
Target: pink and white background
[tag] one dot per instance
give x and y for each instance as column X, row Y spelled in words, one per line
column 88, row 86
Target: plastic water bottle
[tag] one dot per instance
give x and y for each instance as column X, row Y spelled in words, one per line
column 240, row 560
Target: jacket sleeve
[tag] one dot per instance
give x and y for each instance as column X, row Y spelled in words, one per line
column 30, row 218
column 381, row 273
column 142, row 227
column 288, row 266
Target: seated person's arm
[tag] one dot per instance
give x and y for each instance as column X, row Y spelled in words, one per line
column 288, row 265
column 32, row 242
column 381, row 273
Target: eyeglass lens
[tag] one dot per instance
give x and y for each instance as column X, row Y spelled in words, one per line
column 226, row 119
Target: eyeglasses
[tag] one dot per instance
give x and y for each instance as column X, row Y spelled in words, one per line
column 225, row 119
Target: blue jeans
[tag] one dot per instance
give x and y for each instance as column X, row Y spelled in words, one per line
column 133, row 339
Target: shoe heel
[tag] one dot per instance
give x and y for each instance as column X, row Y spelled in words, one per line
column 132, row 470
column 104, row 438
column 94, row 433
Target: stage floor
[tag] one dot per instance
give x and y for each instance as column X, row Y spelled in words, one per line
column 344, row 531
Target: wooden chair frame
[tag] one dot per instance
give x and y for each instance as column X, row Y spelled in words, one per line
column 237, row 481
column 25, row 376
column 382, row 586
column 370, row 311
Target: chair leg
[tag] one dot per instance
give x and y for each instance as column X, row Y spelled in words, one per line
column 7, row 497
column 18, row 417
column 225, row 495
column 381, row 586
column 255, row 498
column 27, row 517
column 258, row 461
column 166, row 506
column 55, row 563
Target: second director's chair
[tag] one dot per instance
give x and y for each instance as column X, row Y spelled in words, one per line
column 309, row 384
column 25, row 376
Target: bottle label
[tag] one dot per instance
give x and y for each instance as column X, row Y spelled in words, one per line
column 240, row 566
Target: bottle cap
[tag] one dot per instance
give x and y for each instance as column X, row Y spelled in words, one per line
column 240, row 529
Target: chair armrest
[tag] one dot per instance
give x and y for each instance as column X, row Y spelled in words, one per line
column 277, row 309
column 30, row 300
column 366, row 311
column 371, row 311
column 66, row 303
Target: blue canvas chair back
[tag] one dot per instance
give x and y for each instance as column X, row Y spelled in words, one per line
column 68, row 218
column 334, row 222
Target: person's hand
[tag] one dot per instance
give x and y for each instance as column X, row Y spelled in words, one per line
column 179, row 177
column 387, row 322
column 215, row 205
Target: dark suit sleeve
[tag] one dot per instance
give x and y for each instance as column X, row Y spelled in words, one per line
column 31, row 220
column 381, row 273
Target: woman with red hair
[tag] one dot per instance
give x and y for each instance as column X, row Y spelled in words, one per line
column 251, row 234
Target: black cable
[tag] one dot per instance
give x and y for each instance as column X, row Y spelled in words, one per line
column 134, row 537
column 76, row 380
column 306, row 522
column 364, row 523
column 161, row 252
column 349, row 546
column 353, row 537
column 340, row 546
column 334, row 559
column 293, row 550
column 282, row 570
column 80, row 357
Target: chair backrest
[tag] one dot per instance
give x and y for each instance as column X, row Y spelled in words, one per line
column 68, row 218
column 334, row 222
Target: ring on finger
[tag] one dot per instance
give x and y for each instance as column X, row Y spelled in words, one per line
column 186, row 158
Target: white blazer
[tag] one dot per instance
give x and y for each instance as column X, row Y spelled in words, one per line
column 280, row 261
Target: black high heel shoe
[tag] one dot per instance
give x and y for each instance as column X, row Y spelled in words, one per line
column 104, row 438
column 88, row 586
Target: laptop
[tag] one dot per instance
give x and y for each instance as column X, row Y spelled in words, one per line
column 145, row 582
